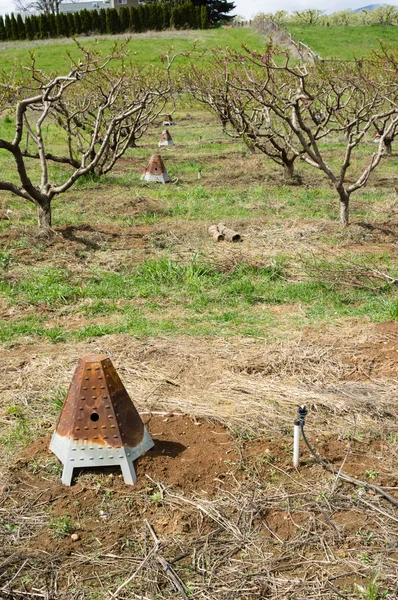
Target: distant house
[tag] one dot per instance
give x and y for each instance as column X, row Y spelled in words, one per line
column 71, row 7
column 119, row 3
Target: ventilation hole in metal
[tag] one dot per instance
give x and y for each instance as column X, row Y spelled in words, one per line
column 94, row 417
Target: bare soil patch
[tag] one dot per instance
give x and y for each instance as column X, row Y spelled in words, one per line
column 201, row 490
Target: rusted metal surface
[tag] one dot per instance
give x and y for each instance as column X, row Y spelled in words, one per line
column 166, row 139
column 155, row 165
column 156, row 171
column 99, row 425
column 98, row 408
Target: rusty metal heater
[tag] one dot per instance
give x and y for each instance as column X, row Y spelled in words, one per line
column 99, row 425
column 165, row 139
column 156, row 171
column 168, row 120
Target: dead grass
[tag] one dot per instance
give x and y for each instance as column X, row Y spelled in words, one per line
column 272, row 532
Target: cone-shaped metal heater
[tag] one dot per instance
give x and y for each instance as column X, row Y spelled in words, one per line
column 165, row 139
column 99, row 425
column 168, row 120
column 156, row 171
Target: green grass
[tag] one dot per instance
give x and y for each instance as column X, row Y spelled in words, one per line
column 147, row 48
column 207, row 300
column 344, row 42
column 178, row 282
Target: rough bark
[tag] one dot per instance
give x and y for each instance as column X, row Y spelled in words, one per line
column 344, row 207
column 44, row 219
column 288, row 169
column 388, row 145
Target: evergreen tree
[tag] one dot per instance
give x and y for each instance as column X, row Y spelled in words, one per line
column 142, row 17
column 71, row 24
column 134, row 20
column 34, row 19
column 86, row 21
column 52, row 26
column 124, row 17
column 7, row 26
column 112, row 21
column 204, row 18
column 217, row 10
column 43, row 26
column 14, row 27
column 165, row 16
column 21, row 28
column 78, row 22
column 151, row 22
column 147, row 17
column 96, row 21
column 102, row 16
column 174, row 20
column 159, row 17
column 30, row 33
column 62, row 25
column 2, row 29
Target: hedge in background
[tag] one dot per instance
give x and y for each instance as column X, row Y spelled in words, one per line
column 151, row 17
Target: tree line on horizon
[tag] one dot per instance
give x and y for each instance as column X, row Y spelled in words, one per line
column 383, row 14
column 151, row 17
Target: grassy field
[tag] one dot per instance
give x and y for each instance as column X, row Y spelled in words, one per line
column 148, row 47
column 344, row 42
column 217, row 343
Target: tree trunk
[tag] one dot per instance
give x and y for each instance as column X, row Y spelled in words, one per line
column 388, row 145
column 44, row 219
column 288, row 169
column 344, row 207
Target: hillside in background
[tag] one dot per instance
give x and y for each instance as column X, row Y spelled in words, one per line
column 344, row 42
column 148, row 47
column 368, row 7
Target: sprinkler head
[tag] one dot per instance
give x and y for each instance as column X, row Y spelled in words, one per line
column 301, row 414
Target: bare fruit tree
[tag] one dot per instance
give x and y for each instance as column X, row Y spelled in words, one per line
column 320, row 103
column 84, row 121
column 240, row 114
column 41, row 6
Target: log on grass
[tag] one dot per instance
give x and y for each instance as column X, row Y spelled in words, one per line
column 229, row 234
column 215, row 234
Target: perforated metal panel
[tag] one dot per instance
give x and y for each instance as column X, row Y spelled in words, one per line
column 165, row 139
column 156, row 171
column 99, row 424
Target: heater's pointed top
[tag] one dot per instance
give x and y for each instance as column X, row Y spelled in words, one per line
column 98, row 407
column 156, row 171
column 155, row 165
column 165, row 137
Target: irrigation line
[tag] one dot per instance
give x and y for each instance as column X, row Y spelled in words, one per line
column 365, row 484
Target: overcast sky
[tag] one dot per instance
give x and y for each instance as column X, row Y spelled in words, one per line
column 248, row 8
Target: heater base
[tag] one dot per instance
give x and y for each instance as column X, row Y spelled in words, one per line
column 75, row 454
column 157, row 178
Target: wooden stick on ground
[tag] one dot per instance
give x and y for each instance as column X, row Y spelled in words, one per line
column 168, row 569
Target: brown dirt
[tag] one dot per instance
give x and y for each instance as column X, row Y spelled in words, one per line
column 190, row 456
column 189, row 453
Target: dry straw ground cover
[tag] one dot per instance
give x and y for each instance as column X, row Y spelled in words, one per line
column 217, row 344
